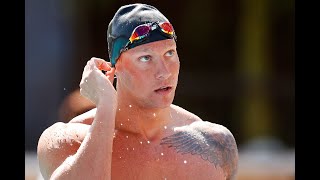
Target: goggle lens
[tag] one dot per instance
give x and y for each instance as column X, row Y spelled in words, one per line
column 144, row 29
column 166, row 28
column 139, row 32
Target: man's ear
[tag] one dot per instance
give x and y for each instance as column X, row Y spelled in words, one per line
column 118, row 66
column 116, row 70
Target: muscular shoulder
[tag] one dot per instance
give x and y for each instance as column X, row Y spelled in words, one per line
column 57, row 142
column 213, row 142
column 180, row 113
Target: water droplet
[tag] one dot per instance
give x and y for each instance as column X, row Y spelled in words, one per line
column 121, row 124
column 128, row 119
column 132, row 148
column 140, row 142
column 161, row 154
column 64, row 89
column 127, row 149
column 102, row 89
column 120, row 157
column 86, row 80
column 154, row 114
column 165, row 127
column 185, row 161
column 119, row 109
column 127, row 137
column 130, row 105
column 148, row 142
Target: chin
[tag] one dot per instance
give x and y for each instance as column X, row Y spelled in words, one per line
column 165, row 103
column 157, row 102
column 158, row 105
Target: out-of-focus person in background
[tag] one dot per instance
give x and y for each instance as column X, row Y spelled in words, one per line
column 135, row 132
column 73, row 105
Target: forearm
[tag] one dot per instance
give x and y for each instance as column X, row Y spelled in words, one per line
column 93, row 158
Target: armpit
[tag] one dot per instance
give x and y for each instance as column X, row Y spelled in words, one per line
column 214, row 143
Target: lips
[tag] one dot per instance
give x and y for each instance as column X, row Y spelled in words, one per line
column 164, row 89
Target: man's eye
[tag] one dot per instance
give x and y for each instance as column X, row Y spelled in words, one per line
column 170, row 53
column 144, row 58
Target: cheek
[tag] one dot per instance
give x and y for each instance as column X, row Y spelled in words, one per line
column 175, row 67
column 132, row 72
column 132, row 77
column 139, row 72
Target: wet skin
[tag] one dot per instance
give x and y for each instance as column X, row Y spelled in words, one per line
column 152, row 138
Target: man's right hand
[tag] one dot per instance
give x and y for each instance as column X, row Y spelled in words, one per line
column 94, row 84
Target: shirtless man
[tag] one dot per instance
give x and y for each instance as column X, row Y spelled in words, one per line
column 135, row 132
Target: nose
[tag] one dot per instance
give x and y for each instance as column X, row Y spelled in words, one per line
column 163, row 71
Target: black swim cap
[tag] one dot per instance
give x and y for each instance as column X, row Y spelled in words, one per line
column 125, row 20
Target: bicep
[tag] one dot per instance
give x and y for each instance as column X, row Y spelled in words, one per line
column 58, row 142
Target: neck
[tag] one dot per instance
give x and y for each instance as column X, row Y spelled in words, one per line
column 147, row 122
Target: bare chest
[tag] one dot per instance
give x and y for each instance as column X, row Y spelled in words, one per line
column 144, row 160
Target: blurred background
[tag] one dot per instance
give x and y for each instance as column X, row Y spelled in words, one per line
column 237, row 69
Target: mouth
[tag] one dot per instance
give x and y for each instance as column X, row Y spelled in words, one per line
column 164, row 89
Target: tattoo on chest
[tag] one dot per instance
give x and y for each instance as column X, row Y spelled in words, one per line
column 217, row 148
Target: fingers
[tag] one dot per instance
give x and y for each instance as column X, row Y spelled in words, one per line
column 103, row 65
column 94, row 83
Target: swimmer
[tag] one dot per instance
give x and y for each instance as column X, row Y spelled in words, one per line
column 134, row 131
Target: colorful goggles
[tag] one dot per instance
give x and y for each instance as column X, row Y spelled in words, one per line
column 143, row 30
